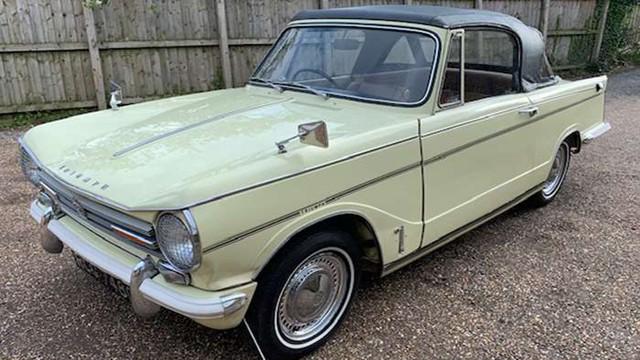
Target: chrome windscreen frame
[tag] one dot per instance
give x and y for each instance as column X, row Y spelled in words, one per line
column 347, row 24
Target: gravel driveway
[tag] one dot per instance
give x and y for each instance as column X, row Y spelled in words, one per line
column 558, row 282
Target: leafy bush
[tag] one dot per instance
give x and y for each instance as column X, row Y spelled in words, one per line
column 618, row 46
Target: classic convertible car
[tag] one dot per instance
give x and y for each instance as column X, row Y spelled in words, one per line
column 366, row 138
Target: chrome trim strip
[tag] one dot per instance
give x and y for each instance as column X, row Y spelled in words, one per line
column 118, row 229
column 189, row 127
column 417, row 254
column 423, row 163
column 302, row 172
column 562, row 96
column 468, row 122
column 116, row 205
column 383, row 177
column 596, row 132
column 106, row 202
column 333, row 23
column 314, row 221
column 298, row 212
column 206, row 306
column 501, row 132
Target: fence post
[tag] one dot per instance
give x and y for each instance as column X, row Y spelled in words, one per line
column 224, row 43
column 478, row 4
column 324, row 4
column 94, row 56
column 601, row 25
column 544, row 19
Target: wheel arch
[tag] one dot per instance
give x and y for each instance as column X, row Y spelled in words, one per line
column 574, row 139
column 573, row 136
column 354, row 223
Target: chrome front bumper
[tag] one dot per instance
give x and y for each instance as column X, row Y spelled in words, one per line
column 149, row 291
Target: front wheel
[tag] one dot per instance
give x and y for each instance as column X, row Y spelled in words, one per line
column 556, row 177
column 303, row 294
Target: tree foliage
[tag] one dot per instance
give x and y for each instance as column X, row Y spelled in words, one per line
column 618, row 46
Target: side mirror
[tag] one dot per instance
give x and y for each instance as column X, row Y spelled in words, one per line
column 313, row 133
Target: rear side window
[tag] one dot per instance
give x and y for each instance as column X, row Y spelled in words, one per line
column 491, row 64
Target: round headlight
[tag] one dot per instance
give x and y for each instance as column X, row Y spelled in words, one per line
column 178, row 240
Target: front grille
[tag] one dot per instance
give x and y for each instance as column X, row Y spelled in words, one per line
column 25, row 159
column 121, row 226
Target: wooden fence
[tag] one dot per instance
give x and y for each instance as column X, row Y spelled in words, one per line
column 634, row 23
column 58, row 54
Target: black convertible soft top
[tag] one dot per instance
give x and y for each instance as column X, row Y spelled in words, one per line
column 535, row 68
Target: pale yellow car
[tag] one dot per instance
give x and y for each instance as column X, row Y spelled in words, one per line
column 366, row 138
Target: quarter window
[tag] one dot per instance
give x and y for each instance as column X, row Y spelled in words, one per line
column 490, row 66
column 451, row 93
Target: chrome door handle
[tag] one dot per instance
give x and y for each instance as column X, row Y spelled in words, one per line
column 532, row 111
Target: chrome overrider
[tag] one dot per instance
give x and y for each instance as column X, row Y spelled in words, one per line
column 147, row 296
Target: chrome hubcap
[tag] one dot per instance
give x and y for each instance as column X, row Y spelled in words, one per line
column 557, row 172
column 312, row 296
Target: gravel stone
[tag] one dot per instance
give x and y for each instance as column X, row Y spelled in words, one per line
column 561, row 282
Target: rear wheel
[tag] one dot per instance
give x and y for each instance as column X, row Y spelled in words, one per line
column 556, row 177
column 304, row 293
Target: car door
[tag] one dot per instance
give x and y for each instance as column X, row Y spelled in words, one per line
column 477, row 155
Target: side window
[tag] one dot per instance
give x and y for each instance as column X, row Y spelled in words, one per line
column 490, row 64
column 451, row 93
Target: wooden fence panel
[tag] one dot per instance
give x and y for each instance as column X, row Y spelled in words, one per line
column 529, row 12
column 157, row 72
column 28, row 79
column 40, row 22
column 244, row 59
column 253, row 25
column 156, row 48
column 262, row 19
column 574, row 23
column 140, row 20
column 635, row 25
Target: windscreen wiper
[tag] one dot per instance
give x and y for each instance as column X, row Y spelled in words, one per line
column 277, row 87
column 296, row 84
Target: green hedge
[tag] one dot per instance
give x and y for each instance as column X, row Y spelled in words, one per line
column 618, row 47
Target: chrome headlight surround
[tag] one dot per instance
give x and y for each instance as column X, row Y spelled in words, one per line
column 179, row 239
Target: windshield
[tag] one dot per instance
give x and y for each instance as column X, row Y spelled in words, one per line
column 364, row 63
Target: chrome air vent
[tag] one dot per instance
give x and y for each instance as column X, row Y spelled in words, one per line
column 121, row 226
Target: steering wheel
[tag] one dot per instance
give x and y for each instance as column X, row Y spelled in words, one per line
column 319, row 72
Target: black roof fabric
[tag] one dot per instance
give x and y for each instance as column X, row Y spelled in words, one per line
column 534, row 64
column 445, row 17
